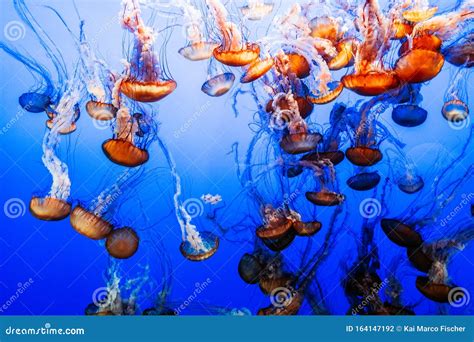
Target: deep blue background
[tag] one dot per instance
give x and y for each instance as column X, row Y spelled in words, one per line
column 67, row 268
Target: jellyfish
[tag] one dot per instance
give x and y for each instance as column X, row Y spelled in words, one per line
column 437, row 286
column 419, row 11
column 401, row 234
column 55, row 205
column 256, row 9
column 219, row 81
column 325, row 173
column 364, row 181
column 198, row 48
column 195, row 245
column 257, row 69
column 370, row 77
column 460, row 52
column 409, row 115
column 455, row 108
column 100, row 106
column 122, row 243
column 125, row 147
column 94, row 219
column 233, row 50
column 144, row 79
column 405, row 172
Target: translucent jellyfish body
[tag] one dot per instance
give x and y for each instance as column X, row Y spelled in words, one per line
column 49, row 208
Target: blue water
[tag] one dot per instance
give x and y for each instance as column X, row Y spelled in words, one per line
column 64, row 269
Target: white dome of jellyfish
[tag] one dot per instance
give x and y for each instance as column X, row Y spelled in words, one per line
column 340, row 181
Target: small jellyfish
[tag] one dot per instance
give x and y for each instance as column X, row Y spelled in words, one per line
column 455, row 108
column 219, row 81
column 90, row 224
column 307, row 228
column 144, row 80
column 297, row 143
column 346, row 50
column 401, row 29
column 325, row 198
column 122, row 149
column 122, row 243
column 198, row 48
column 257, row 9
column 364, row 181
column 364, row 156
column 409, row 115
column 49, row 208
column 434, row 291
column 234, row 50
column 257, row 69
column 209, row 243
column 410, row 182
column 461, row 52
column 401, row 234
column 34, row 102
column 334, row 89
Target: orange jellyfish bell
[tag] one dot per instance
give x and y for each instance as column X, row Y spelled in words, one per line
column 401, row 29
column 122, row 243
column 101, row 111
column 416, row 15
column 49, row 208
column 275, row 230
column 123, row 152
column 423, row 42
column 297, row 143
column 325, row 198
column 210, row 243
column 364, row 156
column 143, row 91
column 257, row 69
column 372, row 83
column 198, row 51
column 346, row 50
column 325, row 28
column 89, row 224
column 307, row 228
column 237, row 58
column 419, row 65
column 334, row 89
column 436, row 292
column 400, row 233
column 298, row 65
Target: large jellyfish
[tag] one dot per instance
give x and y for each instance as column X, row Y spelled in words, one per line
column 144, row 79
